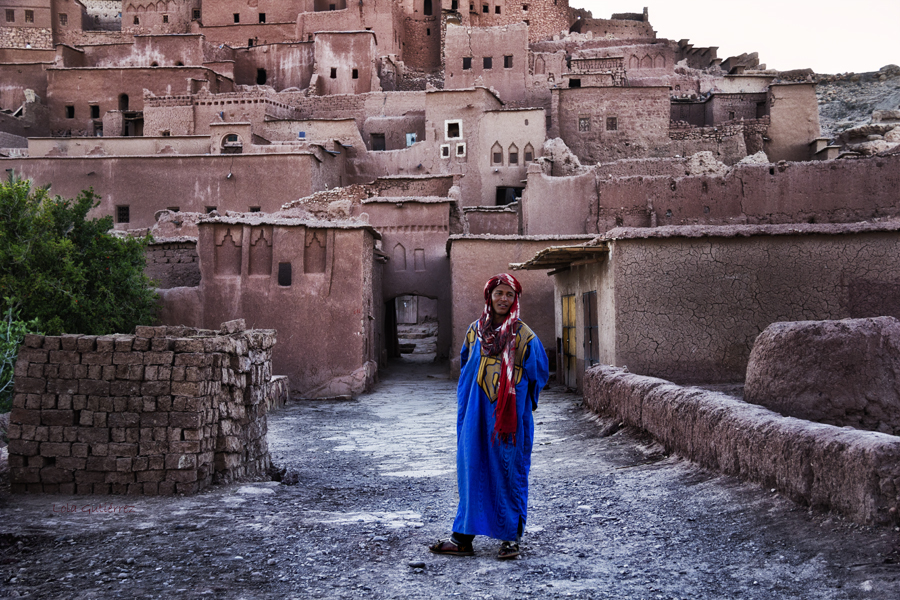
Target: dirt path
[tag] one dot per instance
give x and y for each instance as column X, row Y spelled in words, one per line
column 609, row 518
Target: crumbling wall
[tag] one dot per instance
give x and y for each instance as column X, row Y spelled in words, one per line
column 166, row 410
column 856, row 473
column 173, row 264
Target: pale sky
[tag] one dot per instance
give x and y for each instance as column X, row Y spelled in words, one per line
column 826, row 36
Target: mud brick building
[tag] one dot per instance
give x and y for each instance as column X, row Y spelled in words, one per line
column 163, row 411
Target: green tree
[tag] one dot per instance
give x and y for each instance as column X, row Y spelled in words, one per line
column 12, row 333
column 65, row 272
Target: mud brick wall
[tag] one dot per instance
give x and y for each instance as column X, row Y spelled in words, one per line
column 22, row 37
column 173, row 264
column 166, row 410
column 853, row 472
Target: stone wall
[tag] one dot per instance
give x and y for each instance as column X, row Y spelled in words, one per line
column 26, row 37
column 855, row 473
column 173, row 264
column 166, row 410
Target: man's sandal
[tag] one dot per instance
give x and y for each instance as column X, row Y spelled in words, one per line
column 508, row 550
column 451, row 548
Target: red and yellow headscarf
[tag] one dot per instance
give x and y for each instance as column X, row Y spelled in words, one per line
column 501, row 342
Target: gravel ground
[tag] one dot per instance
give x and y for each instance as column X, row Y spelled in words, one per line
column 374, row 484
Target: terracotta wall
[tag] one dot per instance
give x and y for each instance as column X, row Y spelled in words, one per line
column 190, row 182
column 501, row 45
column 16, row 78
column 545, row 18
column 836, row 191
column 285, row 65
column 580, row 116
column 325, row 317
column 699, row 303
column 794, row 114
column 345, row 63
column 221, row 12
column 173, row 16
column 173, row 264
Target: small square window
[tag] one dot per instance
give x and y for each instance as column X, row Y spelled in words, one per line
column 284, row 274
column 237, row 17
column 612, row 123
column 460, row 149
column 453, row 129
column 334, row 72
column 445, row 150
column 10, row 15
column 513, row 158
column 262, row 17
column 485, row 8
column 332, row 7
column 467, row 63
column 454, row 5
column 255, row 209
column 95, row 111
column 165, row 18
column 574, row 83
column 524, row 8
column 355, row 74
column 63, row 19
column 497, row 10
column 137, row 21
column 166, row 133
column 70, row 112
column 378, row 142
column 210, row 209
column 29, row 16
column 584, row 124
column 488, row 62
column 528, row 156
column 123, row 214
column 196, row 14
column 507, row 62
column 428, row 31
column 498, row 158
column 731, row 115
column 527, row 22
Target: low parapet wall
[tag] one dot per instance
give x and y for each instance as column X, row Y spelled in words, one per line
column 855, row 473
column 164, row 411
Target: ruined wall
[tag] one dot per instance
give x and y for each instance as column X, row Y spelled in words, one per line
column 837, row 191
column 474, row 260
column 104, row 14
column 616, row 29
column 16, row 78
column 163, row 411
column 719, row 291
column 606, row 124
column 191, row 182
column 794, row 113
column 399, row 185
column 173, row 263
column 544, row 18
column 854, row 473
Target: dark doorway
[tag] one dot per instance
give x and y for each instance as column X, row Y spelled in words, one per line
column 411, row 328
column 261, row 77
column 378, row 143
column 508, row 195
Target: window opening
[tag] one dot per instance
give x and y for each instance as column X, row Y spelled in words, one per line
column 497, row 10
column 166, row 133
column 485, row 8
column 574, row 83
column 284, row 274
column 137, row 21
column 507, row 62
column 731, row 115
column 591, row 330
column 497, row 154
column 210, row 209
column 262, row 17
column 63, row 19
column 460, row 149
column 173, row 208
column 508, row 195
column 237, row 17
column 95, row 111
column 123, row 102
column 232, row 144
column 355, row 74
column 467, row 63
column 196, row 14
column 426, row 9
column 513, row 155
column 332, row 7
column 70, row 112
column 584, row 124
column 612, row 123
column 10, row 16
column 123, row 214
column 524, row 8
column 410, row 139
column 261, row 77
column 334, row 72
column 453, row 129
column 378, row 142
column 165, row 18
column 29, row 16
column 255, row 209
column 488, row 62
column 529, row 153
column 454, row 5
column 428, row 31
column 445, row 150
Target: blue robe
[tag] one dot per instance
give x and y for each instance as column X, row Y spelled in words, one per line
column 493, row 477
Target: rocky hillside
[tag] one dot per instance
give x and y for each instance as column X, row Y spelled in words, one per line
column 848, row 100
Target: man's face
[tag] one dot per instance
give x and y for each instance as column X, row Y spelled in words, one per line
column 502, row 298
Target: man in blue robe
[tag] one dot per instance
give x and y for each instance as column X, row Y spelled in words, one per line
column 503, row 369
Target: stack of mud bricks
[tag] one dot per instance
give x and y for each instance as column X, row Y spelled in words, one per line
column 166, row 410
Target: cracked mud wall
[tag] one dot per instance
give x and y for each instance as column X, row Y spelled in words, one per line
column 690, row 309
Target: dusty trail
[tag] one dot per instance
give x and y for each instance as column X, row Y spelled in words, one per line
column 610, row 517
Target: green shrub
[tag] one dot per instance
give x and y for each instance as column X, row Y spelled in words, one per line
column 67, row 273
column 12, row 332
